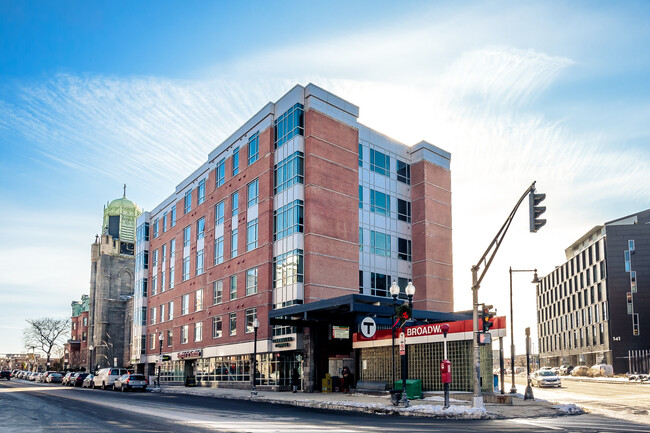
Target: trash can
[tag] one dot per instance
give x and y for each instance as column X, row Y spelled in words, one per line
column 190, row 381
column 413, row 388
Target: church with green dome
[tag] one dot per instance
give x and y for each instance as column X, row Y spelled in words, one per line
column 120, row 217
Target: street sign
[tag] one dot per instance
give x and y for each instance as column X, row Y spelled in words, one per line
column 368, row 327
column 166, row 358
column 402, row 343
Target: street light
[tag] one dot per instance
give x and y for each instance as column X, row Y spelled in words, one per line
column 410, row 291
column 394, row 292
column 513, row 389
column 65, row 367
column 256, row 325
column 160, row 342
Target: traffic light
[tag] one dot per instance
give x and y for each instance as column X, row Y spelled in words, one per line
column 486, row 318
column 535, row 210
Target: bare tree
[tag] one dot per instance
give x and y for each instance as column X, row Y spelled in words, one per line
column 45, row 334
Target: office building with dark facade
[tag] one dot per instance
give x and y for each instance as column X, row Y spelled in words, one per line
column 301, row 219
column 595, row 307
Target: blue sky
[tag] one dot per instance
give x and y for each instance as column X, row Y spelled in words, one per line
column 97, row 94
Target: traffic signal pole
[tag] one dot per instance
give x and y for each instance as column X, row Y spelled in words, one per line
column 487, row 258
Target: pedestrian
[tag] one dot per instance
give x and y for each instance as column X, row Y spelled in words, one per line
column 295, row 379
column 347, row 380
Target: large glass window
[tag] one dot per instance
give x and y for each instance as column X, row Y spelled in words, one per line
column 187, row 204
column 185, row 304
column 233, row 323
column 251, row 315
column 219, row 211
column 288, row 125
column 235, row 203
column 187, row 235
column 218, row 250
column 184, row 331
column 253, row 192
column 235, row 161
column 403, row 210
column 379, row 284
column 233, row 243
column 233, row 287
column 289, row 172
column 379, row 243
column 404, row 249
column 200, row 193
column 169, row 337
column 288, row 219
column 164, row 222
column 173, row 216
column 155, row 228
column 220, row 173
column 216, row 327
column 200, row 228
column 288, row 268
column 403, row 172
column 251, row 235
column 253, row 148
column 170, row 310
column 186, row 268
column 379, row 163
column 199, row 262
column 379, row 203
column 251, row 281
column 217, row 293
column 198, row 300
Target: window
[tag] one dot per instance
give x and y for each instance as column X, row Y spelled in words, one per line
column 153, row 316
column 404, row 249
column 233, row 323
column 187, row 204
column 253, row 192
column 219, row 209
column 288, row 219
column 184, row 331
column 172, row 251
column 162, row 313
column 198, row 331
column 218, row 250
column 164, row 254
column 379, row 203
column 154, row 258
column 233, row 287
column 253, row 148
column 185, row 304
column 164, row 222
column 186, row 268
column 379, row 284
column 235, row 161
column 360, row 197
column 187, row 235
column 251, row 315
column 379, row 243
column 143, row 287
column 154, row 285
column 152, row 341
column 216, row 327
column 251, row 281
column 360, row 155
column 217, row 293
column 233, row 243
column 360, row 239
column 143, row 316
column 288, row 125
column 83, row 336
column 173, row 216
column 403, row 210
column 288, row 268
column 200, row 192
column 170, row 311
column 235, row 204
column 155, row 228
column 200, row 228
column 251, row 235
column 142, row 233
column 220, row 172
column 379, row 163
column 403, row 172
column 169, row 337
column 633, row 281
column 198, row 300
column 85, row 321
column 171, row 275
column 289, row 172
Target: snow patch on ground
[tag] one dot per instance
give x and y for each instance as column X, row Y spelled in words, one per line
column 568, row 409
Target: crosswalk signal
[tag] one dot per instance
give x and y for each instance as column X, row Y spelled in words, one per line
column 536, row 210
column 486, row 318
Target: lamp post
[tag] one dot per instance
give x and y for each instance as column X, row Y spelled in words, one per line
column 256, row 325
column 65, row 360
column 513, row 389
column 394, row 292
column 410, row 291
column 90, row 358
column 160, row 342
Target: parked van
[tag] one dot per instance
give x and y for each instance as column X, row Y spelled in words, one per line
column 105, row 378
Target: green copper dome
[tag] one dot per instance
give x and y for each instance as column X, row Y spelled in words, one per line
column 120, row 217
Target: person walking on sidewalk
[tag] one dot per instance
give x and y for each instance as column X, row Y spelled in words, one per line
column 295, row 379
column 347, row 380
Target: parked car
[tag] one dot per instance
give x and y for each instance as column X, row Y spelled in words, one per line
column 38, row 378
column 78, row 379
column 88, row 381
column 565, row 369
column 130, row 381
column 580, row 370
column 67, row 377
column 601, row 370
column 556, row 370
column 5, row 374
column 54, row 378
column 105, row 378
column 545, row 378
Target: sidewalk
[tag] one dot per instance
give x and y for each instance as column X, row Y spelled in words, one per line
column 430, row 406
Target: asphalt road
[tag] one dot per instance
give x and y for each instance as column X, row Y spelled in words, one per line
column 628, row 401
column 26, row 407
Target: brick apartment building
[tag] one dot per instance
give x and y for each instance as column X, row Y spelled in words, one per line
column 76, row 349
column 301, row 219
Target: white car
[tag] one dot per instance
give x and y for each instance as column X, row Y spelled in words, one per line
column 543, row 378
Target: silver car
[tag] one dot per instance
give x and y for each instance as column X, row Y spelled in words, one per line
column 130, row 381
column 545, row 378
